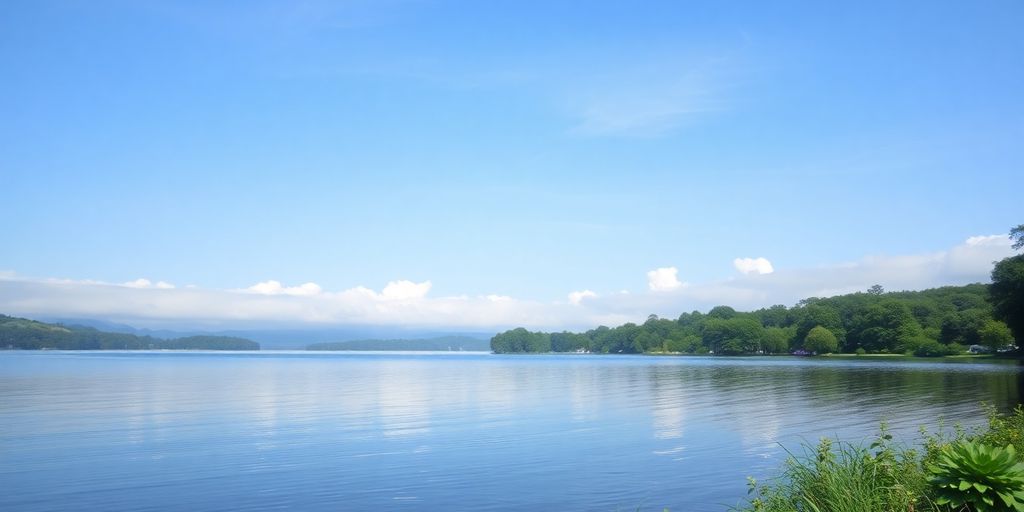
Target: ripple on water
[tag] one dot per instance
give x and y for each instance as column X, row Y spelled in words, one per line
column 265, row 431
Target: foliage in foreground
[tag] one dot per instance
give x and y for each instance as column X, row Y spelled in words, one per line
column 843, row 477
column 986, row 478
column 978, row 471
column 1005, row 430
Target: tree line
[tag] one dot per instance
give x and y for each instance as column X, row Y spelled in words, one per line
column 935, row 322
column 931, row 322
column 21, row 333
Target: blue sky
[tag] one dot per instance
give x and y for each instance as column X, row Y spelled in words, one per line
column 522, row 150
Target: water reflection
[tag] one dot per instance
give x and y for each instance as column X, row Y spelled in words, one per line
column 361, row 432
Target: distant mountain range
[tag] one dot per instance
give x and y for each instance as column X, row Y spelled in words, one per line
column 368, row 337
column 25, row 334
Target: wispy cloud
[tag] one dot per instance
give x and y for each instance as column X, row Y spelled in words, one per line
column 643, row 103
column 648, row 89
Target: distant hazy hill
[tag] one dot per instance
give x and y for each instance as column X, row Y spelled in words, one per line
column 21, row 333
column 438, row 343
column 273, row 338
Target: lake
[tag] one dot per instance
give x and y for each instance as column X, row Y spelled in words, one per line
column 203, row 431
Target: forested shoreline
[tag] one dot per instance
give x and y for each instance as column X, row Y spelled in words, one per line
column 25, row 334
column 948, row 320
column 934, row 322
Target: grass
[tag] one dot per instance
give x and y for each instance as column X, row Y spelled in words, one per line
column 843, row 477
column 834, row 476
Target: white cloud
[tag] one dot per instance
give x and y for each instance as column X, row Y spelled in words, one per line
column 576, row 298
column 645, row 113
column 408, row 303
column 647, row 91
column 977, row 252
column 269, row 303
column 967, row 262
column 991, row 240
column 146, row 283
column 276, row 288
column 663, row 279
column 405, row 290
column 753, row 265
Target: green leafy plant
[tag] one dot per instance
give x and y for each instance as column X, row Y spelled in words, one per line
column 1005, row 430
column 980, row 477
column 958, row 470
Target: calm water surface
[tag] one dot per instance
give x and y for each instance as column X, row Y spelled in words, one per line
column 317, row 432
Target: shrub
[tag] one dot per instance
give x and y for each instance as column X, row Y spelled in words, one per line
column 955, row 348
column 860, row 351
column 909, row 345
column 1005, row 430
column 930, row 348
column 983, row 477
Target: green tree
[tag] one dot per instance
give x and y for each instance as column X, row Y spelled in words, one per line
column 886, row 326
column 520, row 340
column 1007, row 292
column 568, row 342
column 821, row 341
column 598, row 339
column 1017, row 235
column 515, row 340
column 723, row 312
column 775, row 316
column 962, row 327
column 693, row 319
column 688, row 343
column 645, row 341
column 816, row 314
column 618, row 340
column 740, row 335
column 966, row 301
column 776, row 340
column 540, row 342
column 995, row 335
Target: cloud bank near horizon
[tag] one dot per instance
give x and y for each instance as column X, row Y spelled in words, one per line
column 145, row 303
